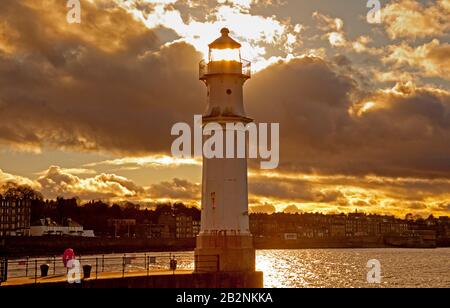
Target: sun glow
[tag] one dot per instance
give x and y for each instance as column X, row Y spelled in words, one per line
column 254, row 32
column 225, row 55
column 366, row 107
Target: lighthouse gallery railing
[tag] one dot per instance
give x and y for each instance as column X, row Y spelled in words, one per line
column 246, row 69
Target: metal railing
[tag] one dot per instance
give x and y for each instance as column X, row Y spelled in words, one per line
column 3, row 269
column 29, row 269
column 246, row 68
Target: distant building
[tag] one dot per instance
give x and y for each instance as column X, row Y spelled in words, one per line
column 196, row 227
column 290, row 236
column 184, row 227
column 122, row 226
column 167, row 220
column 45, row 227
column 317, row 226
column 443, row 230
column 150, row 230
column 14, row 217
column 170, row 226
column 337, row 229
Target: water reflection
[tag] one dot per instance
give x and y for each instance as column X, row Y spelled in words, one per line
column 346, row 268
column 317, row 268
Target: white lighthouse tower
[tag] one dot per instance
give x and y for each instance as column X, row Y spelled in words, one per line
column 225, row 243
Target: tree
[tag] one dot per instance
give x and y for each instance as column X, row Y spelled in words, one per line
column 13, row 190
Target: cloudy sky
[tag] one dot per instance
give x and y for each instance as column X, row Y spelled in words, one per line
column 86, row 109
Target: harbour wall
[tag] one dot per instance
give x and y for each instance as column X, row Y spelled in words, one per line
column 47, row 246
column 247, row 280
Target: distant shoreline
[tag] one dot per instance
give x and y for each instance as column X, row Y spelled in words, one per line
column 45, row 246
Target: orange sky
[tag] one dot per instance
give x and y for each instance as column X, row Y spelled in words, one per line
column 86, row 109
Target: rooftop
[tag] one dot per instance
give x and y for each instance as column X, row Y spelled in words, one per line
column 225, row 41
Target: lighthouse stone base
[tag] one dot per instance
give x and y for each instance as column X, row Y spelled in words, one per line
column 224, row 253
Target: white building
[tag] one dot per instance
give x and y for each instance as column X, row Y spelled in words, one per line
column 45, row 227
column 225, row 230
column 290, row 236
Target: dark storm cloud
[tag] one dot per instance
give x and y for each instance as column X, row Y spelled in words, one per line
column 109, row 85
column 406, row 133
column 176, row 189
column 103, row 85
column 296, row 190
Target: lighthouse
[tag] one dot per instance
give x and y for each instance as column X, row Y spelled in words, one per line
column 225, row 243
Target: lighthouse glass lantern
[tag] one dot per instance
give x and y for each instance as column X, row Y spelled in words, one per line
column 225, row 58
column 225, row 48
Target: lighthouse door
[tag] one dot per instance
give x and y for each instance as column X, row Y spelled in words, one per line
column 212, row 209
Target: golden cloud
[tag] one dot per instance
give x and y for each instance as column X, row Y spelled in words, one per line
column 411, row 19
column 431, row 59
column 111, row 84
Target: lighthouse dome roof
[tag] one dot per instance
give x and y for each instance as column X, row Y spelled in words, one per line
column 225, row 41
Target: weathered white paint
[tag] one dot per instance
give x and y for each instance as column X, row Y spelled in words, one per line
column 225, row 184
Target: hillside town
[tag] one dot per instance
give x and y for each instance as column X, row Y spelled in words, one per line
column 24, row 213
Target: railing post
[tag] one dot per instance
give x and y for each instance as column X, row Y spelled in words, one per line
column 35, row 271
column 96, row 268
column 103, row 263
column 3, row 269
column 123, row 266
column 54, row 265
column 195, row 262
column 148, row 265
column 6, row 268
column 26, row 267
